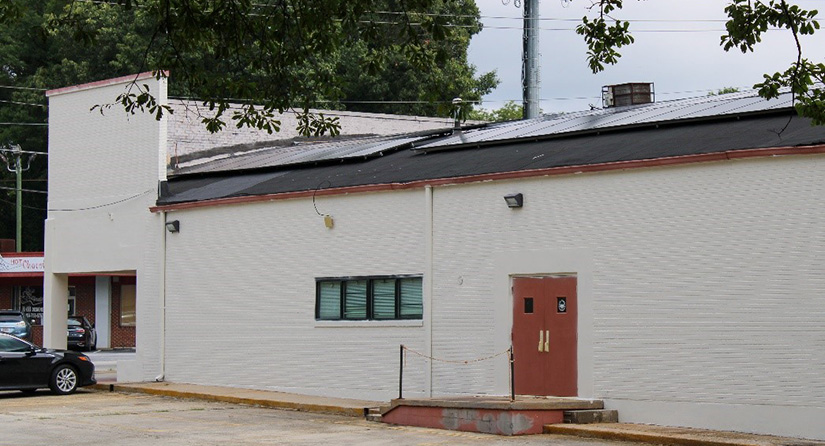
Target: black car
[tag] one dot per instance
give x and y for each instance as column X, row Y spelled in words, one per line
column 15, row 323
column 81, row 334
column 27, row 367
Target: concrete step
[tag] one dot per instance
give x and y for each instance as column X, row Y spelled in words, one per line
column 374, row 414
column 591, row 416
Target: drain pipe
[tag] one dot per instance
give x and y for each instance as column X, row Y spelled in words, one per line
column 162, row 375
column 428, row 284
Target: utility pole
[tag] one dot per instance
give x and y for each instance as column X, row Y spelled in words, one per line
column 14, row 163
column 530, row 59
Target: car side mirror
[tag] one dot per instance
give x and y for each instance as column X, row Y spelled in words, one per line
column 32, row 351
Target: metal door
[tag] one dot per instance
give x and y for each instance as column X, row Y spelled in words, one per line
column 544, row 336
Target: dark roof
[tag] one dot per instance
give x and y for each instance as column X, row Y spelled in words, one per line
column 641, row 141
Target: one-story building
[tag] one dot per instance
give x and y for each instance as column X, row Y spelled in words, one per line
column 666, row 258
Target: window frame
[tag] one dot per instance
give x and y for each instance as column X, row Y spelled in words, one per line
column 128, row 323
column 370, row 304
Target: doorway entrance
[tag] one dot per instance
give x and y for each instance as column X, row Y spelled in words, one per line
column 545, row 336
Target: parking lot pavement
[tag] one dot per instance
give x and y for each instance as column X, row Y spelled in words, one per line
column 101, row 418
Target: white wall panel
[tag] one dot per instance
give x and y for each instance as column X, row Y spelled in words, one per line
column 103, row 177
column 707, row 283
column 241, row 294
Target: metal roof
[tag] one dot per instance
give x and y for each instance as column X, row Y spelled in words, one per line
column 601, row 119
column 306, row 153
column 780, row 128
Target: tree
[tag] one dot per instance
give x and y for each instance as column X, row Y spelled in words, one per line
column 510, row 111
column 747, row 21
column 725, row 90
column 53, row 43
column 275, row 55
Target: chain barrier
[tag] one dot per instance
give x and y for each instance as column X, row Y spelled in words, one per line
column 453, row 361
column 403, row 363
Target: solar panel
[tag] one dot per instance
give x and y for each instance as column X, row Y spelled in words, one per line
column 305, row 153
column 685, row 109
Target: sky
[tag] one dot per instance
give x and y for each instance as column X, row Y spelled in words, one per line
column 680, row 61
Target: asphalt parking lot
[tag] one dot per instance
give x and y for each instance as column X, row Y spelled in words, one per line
column 103, row 418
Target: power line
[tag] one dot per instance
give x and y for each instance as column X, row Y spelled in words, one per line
column 24, row 190
column 35, row 208
column 500, row 27
column 11, row 87
column 22, row 151
column 22, row 103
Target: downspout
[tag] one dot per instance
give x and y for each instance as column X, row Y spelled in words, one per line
column 428, row 284
column 162, row 375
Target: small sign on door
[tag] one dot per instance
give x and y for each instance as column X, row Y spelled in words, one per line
column 561, row 304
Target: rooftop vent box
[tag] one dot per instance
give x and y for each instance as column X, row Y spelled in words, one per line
column 627, row 94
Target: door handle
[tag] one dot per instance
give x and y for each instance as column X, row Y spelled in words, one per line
column 547, row 342
column 541, row 341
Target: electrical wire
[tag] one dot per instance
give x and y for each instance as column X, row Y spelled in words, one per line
column 520, row 28
column 34, row 208
column 21, row 103
column 12, row 87
column 315, row 192
column 22, row 151
column 24, row 190
column 103, row 205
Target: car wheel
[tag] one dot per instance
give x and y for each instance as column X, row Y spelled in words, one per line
column 64, row 380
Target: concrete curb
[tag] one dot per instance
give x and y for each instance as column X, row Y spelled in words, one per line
column 264, row 402
column 672, row 436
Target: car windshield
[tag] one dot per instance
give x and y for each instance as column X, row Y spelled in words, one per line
column 10, row 318
column 9, row 344
column 74, row 323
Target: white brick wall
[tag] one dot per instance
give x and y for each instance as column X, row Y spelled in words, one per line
column 707, row 285
column 188, row 135
column 241, row 294
column 701, row 290
column 96, row 160
column 700, row 287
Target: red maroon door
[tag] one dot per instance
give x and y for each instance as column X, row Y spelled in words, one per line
column 544, row 336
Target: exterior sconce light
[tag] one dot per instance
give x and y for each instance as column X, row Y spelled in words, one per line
column 514, row 200
column 173, row 226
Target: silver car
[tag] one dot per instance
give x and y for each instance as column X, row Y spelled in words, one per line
column 15, row 323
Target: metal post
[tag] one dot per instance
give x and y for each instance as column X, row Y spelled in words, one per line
column 512, row 376
column 530, row 59
column 401, row 372
column 14, row 163
column 18, row 169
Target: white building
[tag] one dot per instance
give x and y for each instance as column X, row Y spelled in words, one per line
column 680, row 245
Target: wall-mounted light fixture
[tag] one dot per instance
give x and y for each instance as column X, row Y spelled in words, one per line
column 514, row 200
column 173, row 226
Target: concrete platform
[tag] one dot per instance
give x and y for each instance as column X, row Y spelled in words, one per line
column 491, row 415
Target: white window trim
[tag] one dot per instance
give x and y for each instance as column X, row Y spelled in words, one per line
column 370, row 324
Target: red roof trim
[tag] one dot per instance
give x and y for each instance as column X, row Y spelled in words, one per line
column 103, row 83
column 567, row 170
column 21, row 254
column 19, row 275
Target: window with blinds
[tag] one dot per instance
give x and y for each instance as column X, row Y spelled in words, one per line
column 369, row 298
